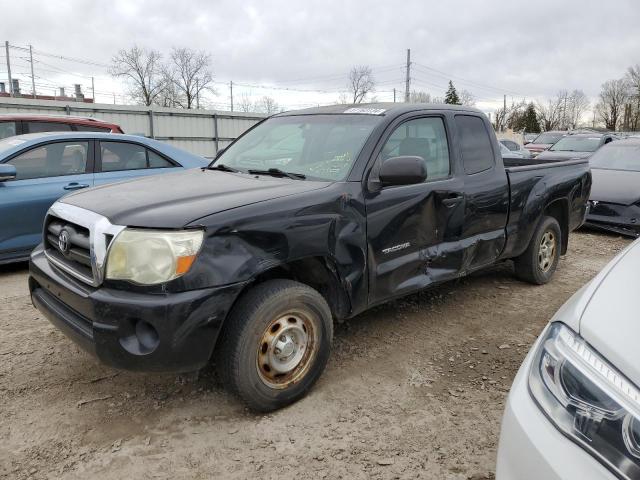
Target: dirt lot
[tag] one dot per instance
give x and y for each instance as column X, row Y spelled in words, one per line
column 415, row 389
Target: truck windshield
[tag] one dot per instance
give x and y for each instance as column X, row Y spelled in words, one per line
column 316, row 146
column 577, row 144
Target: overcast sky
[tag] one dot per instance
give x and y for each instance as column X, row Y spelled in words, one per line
column 523, row 49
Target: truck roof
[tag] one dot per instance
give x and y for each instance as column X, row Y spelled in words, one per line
column 381, row 109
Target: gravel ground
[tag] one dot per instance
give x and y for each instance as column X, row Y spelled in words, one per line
column 415, row 389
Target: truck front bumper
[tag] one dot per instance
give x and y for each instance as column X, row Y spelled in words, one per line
column 169, row 332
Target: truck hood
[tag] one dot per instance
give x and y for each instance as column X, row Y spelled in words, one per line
column 605, row 312
column 173, row 200
column 615, row 186
column 550, row 155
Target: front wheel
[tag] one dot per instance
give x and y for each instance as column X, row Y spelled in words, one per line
column 540, row 260
column 276, row 343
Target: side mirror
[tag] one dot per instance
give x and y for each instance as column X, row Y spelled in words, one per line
column 7, row 172
column 406, row 170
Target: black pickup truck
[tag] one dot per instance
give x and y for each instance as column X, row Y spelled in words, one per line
column 308, row 217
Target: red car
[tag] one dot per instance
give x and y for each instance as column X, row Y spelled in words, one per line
column 20, row 123
column 544, row 141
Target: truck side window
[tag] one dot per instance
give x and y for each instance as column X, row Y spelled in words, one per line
column 422, row 137
column 477, row 154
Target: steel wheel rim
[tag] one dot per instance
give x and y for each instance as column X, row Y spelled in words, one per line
column 547, row 251
column 286, row 350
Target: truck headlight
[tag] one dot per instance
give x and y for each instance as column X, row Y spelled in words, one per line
column 152, row 256
column 588, row 399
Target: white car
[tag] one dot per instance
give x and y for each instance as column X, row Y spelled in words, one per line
column 573, row 412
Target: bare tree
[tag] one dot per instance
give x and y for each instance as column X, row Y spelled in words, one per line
column 577, row 105
column 141, row 69
column 614, row 95
column 551, row 113
column 190, row 72
column 245, row 104
column 361, row 82
column 466, row 98
column 417, row 96
column 267, row 105
column 169, row 95
column 633, row 79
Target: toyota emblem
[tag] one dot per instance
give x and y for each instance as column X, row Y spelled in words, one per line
column 63, row 241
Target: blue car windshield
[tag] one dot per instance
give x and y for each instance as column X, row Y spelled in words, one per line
column 316, row 146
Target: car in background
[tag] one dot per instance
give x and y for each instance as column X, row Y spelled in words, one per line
column 544, row 141
column 614, row 203
column 515, row 155
column 529, row 137
column 38, row 168
column 573, row 411
column 516, row 148
column 579, row 145
column 20, row 124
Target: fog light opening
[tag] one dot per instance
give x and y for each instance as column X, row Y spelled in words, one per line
column 143, row 341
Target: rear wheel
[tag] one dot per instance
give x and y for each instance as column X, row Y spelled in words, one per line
column 540, row 260
column 276, row 344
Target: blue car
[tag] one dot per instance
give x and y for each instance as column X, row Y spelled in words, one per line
column 37, row 169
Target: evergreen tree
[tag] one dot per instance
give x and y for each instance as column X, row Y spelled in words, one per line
column 451, row 97
column 531, row 123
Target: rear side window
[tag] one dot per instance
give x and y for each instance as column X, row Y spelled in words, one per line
column 118, row 156
column 477, row 154
column 35, row 127
column 156, row 161
column 52, row 160
column 8, row 129
column 91, row 128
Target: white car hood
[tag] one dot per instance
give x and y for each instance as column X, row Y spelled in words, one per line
column 606, row 312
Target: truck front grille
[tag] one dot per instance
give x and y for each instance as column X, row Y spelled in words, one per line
column 68, row 245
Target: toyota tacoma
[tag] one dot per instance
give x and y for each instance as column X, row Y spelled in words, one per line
column 309, row 217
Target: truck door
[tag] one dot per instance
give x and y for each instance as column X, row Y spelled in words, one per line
column 413, row 230
column 486, row 191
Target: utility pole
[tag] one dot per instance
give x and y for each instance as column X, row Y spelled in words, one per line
column 93, row 90
column 231, row 88
column 33, row 81
column 408, row 81
column 504, row 114
column 6, row 46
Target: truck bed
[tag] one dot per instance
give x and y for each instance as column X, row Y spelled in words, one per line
column 534, row 186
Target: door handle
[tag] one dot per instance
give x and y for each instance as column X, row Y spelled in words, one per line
column 452, row 200
column 75, row 186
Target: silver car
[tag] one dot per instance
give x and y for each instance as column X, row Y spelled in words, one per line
column 574, row 408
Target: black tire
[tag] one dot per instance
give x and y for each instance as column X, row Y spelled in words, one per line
column 528, row 265
column 241, row 357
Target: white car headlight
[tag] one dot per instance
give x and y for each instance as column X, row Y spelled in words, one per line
column 588, row 399
column 152, row 256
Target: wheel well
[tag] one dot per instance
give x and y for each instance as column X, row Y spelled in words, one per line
column 559, row 210
column 317, row 272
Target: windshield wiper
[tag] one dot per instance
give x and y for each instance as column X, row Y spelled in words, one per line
column 223, row 168
column 276, row 172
